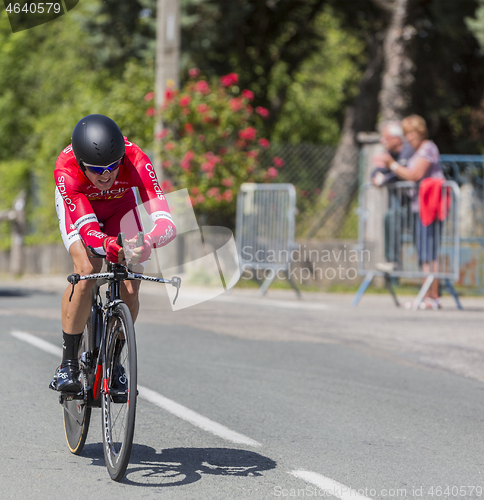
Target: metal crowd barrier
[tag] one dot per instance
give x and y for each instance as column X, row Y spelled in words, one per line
column 265, row 226
column 397, row 242
column 468, row 172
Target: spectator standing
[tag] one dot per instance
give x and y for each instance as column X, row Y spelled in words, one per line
column 393, row 140
column 397, row 147
column 424, row 163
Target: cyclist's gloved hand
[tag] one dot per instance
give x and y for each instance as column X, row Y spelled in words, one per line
column 141, row 253
column 112, row 250
column 146, row 252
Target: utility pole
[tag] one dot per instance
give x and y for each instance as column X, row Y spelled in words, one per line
column 167, row 72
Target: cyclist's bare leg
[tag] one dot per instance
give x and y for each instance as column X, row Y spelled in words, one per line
column 130, row 294
column 76, row 312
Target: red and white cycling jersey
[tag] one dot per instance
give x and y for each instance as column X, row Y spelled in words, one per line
column 87, row 206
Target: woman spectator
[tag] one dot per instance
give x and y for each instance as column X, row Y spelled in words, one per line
column 422, row 164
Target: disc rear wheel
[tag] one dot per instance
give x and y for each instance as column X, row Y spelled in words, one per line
column 77, row 413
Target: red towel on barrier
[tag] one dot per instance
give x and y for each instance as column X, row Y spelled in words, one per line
column 430, row 200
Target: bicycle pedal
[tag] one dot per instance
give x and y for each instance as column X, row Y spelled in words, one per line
column 70, row 396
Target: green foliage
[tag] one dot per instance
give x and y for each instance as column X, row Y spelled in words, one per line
column 449, row 74
column 317, row 95
column 120, row 31
column 251, row 38
column 15, row 178
column 50, row 79
column 212, row 144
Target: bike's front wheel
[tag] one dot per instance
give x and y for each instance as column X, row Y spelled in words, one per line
column 119, row 391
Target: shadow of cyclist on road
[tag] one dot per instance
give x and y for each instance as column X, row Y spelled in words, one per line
column 181, row 466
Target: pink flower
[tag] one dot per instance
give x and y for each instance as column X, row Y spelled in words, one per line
column 248, row 94
column 185, row 164
column 228, row 196
column 202, row 87
column 166, row 186
column 149, row 96
column 264, row 143
column 200, row 199
column 252, row 154
column 207, row 167
column 170, row 94
column 195, row 191
column 193, row 72
column 188, row 128
column 230, row 79
column 212, row 158
column 271, row 173
column 203, row 108
column 249, row 109
column 167, row 164
column 278, row 162
column 185, row 161
column 236, row 104
column 185, row 101
column 214, row 191
column 264, row 112
column 229, row 182
column 162, row 134
column 185, row 111
column 150, row 112
column 169, row 146
column 248, row 134
column 189, row 155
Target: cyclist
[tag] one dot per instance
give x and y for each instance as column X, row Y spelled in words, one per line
column 95, row 179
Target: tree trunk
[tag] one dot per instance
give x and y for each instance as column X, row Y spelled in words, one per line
column 398, row 71
column 389, row 75
column 342, row 180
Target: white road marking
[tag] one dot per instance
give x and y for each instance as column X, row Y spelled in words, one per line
column 39, row 343
column 329, row 486
column 172, row 407
column 194, row 418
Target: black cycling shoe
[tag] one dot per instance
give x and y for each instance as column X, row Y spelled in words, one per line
column 66, row 377
column 119, row 382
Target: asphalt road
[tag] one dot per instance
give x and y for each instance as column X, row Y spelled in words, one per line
column 244, row 397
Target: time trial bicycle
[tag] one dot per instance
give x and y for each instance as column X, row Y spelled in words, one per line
column 108, row 367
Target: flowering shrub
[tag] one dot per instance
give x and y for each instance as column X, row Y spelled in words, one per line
column 211, row 144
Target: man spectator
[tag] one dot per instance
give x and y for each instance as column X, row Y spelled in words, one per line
column 392, row 138
column 397, row 147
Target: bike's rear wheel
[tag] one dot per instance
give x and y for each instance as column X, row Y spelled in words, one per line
column 119, row 406
column 77, row 413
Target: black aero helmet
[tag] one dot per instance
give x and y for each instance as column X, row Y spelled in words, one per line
column 97, row 140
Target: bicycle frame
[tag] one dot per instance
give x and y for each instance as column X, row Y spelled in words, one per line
column 116, row 273
column 108, row 365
